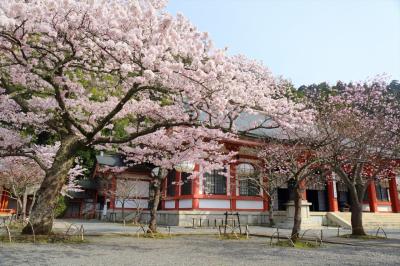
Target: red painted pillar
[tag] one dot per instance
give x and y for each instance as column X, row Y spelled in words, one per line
column 266, row 203
column 373, row 203
column 232, row 171
column 113, row 192
column 332, row 196
column 196, row 187
column 164, row 186
column 177, row 188
column 394, row 196
column 3, row 199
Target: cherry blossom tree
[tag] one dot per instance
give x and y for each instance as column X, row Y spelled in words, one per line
column 108, row 72
column 126, row 190
column 167, row 149
column 21, row 177
column 295, row 162
column 359, row 122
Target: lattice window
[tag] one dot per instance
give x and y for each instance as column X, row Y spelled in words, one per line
column 171, row 185
column 186, row 184
column 215, row 183
column 248, row 187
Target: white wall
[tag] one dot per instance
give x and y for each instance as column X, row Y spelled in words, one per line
column 249, row 204
column 185, row 203
column 170, row 204
column 386, row 208
column 214, row 204
column 142, row 203
column 133, row 188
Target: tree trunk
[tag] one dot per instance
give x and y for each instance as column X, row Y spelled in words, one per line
column 19, row 208
column 297, row 213
column 42, row 215
column 357, row 228
column 32, row 203
column 271, row 213
column 155, row 195
column 24, row 203
column 123, row 210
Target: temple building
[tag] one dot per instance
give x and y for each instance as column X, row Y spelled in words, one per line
column 191, row 197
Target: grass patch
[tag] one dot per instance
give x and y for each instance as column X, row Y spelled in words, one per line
column 44, row 239
column 297, row 244
column 232, row 236
column 14, row 226
column 365, row 237
column 155, row 235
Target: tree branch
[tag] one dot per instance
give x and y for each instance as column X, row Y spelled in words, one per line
column 33, row 157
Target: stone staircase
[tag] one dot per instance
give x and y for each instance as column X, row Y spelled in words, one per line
column 370, row 220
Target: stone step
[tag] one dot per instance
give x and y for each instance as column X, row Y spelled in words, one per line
column 370, row 220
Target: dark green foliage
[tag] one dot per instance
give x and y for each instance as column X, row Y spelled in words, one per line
column 61, row 207
column 46, row 138
column 87, row 159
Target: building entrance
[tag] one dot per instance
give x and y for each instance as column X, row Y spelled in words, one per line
column 318, row 199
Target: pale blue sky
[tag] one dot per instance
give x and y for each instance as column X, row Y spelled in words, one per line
column 307, row 41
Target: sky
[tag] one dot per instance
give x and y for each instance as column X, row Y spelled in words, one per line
column 306, row 41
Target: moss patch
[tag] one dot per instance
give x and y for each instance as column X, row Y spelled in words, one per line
column 232, row 236
column 44, row 239
column 16, row 226
column 365, row 237
column 297, row 244
column 155, row 235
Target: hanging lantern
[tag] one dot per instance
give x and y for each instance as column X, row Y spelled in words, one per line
column 156, row 172
column 185, row 167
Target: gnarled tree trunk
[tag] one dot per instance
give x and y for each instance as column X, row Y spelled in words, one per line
column 297, row 213
column 42, row 215
column 154, row 200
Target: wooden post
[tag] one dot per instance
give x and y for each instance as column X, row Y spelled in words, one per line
column 332, row 196
column 373, row 204
column 394, row 196
column 196, row 187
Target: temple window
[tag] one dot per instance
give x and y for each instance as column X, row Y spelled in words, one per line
column 171, row 185
column 215, row 183
column 248, row 185
column 186, row 184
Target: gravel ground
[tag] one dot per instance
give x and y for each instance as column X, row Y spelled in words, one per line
column 94, row 227
column 190, row 250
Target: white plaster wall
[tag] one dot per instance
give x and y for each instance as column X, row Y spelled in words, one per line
column 170, row 204
column 132, row 188
column 143, row 203
column 214, row 204
column 384, row 208
column 249, row 204
column 365, row 207
column 185, row 203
